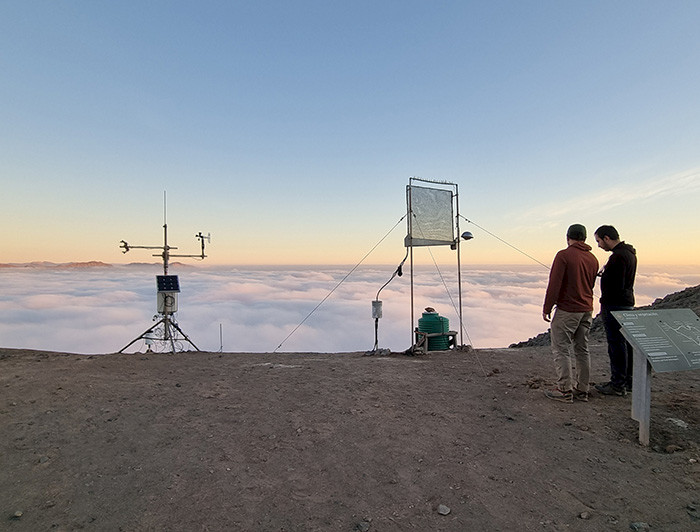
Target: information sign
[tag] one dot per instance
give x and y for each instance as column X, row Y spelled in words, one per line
column 669, row 338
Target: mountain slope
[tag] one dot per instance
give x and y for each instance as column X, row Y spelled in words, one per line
column 687, row 298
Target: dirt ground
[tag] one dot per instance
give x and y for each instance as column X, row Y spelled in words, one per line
column 449, row 441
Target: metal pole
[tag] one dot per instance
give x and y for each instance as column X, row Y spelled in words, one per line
column 412, row 322
column 641, row 394
column 459, row 267
column 410, row 243
column 166, row 254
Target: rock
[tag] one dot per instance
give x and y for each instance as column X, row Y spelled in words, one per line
column 670, row 449
column 678, row 423
column 585, row 515
column 18, row 514
column 443, row 510
column 362, row 526
column 640, row 526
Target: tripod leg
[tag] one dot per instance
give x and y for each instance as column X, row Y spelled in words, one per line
column 184, row 335
column 149, row 330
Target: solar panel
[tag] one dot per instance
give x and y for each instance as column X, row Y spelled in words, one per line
column 168, row 283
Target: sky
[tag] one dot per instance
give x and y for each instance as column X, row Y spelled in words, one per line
column 289, row 130
column 281, row 308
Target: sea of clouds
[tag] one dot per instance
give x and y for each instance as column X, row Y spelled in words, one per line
column 248, row 309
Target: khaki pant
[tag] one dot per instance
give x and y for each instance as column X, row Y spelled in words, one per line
column 570, row 332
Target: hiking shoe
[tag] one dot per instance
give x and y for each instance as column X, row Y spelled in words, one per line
column 558, row 395
column 580, row 396
column 610, row 389
column 628, row 387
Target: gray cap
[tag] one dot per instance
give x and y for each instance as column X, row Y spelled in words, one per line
column 576, row 232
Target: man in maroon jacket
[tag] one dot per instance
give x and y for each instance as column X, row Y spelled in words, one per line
column 570, row 288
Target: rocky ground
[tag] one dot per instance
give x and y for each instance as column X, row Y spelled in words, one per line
column 448, row 441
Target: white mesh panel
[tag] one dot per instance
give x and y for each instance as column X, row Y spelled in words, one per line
column 431, row 217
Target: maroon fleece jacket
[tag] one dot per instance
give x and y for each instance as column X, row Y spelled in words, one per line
column 571, row 279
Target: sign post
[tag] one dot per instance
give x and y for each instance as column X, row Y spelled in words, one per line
column 662, row 340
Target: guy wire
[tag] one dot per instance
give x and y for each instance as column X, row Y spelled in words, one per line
column 506, row 243
column 341, row 282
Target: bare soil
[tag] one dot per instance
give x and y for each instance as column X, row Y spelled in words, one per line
column 310, row 442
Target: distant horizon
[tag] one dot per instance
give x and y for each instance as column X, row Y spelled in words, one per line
column 211, row 264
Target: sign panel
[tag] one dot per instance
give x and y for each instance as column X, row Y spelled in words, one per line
column 669, row 338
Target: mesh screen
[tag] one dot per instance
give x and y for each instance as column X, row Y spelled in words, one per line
column 431, row 220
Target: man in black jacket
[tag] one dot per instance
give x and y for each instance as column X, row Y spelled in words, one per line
column 617, row 293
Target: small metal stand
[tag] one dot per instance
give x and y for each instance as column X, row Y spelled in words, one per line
column 422, row 341
column 166, row 332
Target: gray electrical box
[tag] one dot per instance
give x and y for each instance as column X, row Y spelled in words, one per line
column 167, row 302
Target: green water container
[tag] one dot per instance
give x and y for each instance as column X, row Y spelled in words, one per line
column 432, row 322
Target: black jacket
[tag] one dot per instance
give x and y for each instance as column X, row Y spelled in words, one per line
column 617, row 277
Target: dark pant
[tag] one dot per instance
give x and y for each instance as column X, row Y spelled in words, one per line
column 619, row 350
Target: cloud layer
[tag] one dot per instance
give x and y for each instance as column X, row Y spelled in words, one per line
column 261, row 310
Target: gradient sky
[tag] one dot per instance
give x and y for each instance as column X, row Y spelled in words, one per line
column 289, row 130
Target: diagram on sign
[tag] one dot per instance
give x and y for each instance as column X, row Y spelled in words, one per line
column 687, row 331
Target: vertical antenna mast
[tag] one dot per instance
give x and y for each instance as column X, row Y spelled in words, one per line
column 166, row 254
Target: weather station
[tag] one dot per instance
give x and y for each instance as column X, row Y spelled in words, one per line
column 166, row 335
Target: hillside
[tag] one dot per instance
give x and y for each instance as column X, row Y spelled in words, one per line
column 687, row 298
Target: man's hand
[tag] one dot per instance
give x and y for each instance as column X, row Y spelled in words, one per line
column 546, row 316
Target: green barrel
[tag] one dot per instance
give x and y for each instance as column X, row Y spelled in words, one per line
column 432, row 322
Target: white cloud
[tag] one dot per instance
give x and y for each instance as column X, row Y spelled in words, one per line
column 89, row 311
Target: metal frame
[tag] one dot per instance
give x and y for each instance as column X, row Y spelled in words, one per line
column 455, row 244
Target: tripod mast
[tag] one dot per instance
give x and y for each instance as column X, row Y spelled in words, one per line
column 166, row 329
